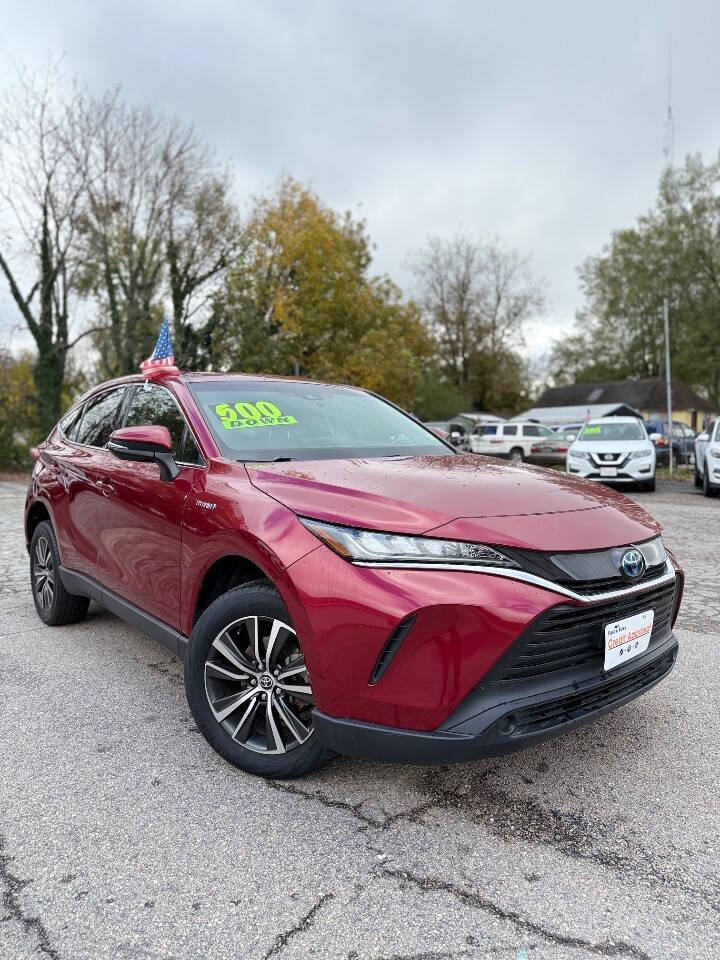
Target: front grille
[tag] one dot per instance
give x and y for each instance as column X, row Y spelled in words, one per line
column 606, row 584
column 571, row 636
column 545, row 716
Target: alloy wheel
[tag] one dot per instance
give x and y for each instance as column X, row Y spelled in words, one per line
column 257, row 685
column 44, row 573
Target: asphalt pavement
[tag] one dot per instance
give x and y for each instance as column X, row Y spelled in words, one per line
column 122, row 835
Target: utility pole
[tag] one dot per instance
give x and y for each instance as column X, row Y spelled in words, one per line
column 668, row 381
column 668, row 150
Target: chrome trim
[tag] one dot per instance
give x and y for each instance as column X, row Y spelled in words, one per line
column 587, row 598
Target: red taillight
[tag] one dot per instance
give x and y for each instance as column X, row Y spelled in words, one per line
column 661, row 442
column 562, row 449
column 534, row 449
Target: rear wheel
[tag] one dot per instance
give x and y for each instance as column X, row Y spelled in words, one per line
column 248, row 686
column 54, row 605
column 517, row 455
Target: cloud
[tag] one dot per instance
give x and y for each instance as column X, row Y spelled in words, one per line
column 539, row 123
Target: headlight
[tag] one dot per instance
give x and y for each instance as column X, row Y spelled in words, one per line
column 371, row 546
column 636, row 454
column 715, row 454
column 579, row 455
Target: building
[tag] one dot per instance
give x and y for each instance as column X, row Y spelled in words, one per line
column 647, row 397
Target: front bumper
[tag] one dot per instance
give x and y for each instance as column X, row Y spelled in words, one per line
column 632, row 471
column 497, row 718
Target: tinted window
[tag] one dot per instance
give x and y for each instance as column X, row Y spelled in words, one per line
column 99, row 419
column 487, row 431
column 510, row 431
column 157, row 408
column 531, row 431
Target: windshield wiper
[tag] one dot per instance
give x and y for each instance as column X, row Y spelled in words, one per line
column 268, row 460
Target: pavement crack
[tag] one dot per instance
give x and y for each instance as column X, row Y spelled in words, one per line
column 608, row 948
column 573, row 835
column 304, row 923
column 12, row 888
column 331, row 802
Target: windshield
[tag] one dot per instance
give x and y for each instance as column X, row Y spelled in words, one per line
column 266, row 420
column 613, row 431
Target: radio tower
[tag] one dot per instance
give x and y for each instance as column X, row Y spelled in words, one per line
column 668, row 155
column 668, row 146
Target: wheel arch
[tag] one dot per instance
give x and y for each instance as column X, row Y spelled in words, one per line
column 224, row 573
column 36, row 513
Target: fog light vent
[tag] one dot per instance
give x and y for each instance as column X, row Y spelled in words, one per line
column 392, row 646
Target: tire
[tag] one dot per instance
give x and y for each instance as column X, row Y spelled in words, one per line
column 54, row 605
column 238, row 653
column 698, row 479
column 516, row 455
column 650, row 486
column 708, row 489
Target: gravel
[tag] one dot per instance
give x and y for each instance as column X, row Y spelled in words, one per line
column 122, row 835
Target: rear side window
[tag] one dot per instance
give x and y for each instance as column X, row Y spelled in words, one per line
column 100, row 417
column 156, row 408
column 531, row 431
column 510, row 431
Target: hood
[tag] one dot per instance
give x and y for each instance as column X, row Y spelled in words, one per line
column 469, row 497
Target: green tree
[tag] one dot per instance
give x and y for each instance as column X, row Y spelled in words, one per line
column 673, row 251
column 300, row 301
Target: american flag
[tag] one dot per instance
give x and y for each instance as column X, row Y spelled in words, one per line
column 162, row 355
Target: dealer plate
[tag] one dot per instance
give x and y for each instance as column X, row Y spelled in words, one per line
column 608, row 471
column 625, row 639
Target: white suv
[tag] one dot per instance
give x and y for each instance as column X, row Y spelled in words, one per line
column 614, row 450
column 707, row 460
column 513, row 440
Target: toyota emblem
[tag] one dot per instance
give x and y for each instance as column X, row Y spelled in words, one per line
column 632, row 563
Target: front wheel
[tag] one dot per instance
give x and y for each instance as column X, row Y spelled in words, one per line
column 708, row 489
column 248, row 686
column 698, row 478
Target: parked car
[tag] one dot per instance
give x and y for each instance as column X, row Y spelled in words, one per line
column 512, row 440
column 682, row 441
column 550, row 450
column 339, row 580
column 707, row 459
column 455, row 431
column 569, row 431
column 614, row 450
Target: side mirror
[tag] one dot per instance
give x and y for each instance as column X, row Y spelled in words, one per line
column 455, row 435
column 145, row 445
column 655, row 437
column 703, row 438
column 443, row 434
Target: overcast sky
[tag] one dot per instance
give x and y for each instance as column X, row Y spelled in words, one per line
column 542, row 123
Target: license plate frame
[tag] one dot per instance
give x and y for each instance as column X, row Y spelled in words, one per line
column 608, row 471
column 627, row 638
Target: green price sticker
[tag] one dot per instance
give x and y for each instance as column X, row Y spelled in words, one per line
column 242, row 415
column 589, row 430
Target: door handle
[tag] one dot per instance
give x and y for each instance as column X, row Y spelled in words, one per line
column 106, row 487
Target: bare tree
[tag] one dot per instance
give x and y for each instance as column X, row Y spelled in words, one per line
column 475, row 298
column 160, row 226
column 42, row 184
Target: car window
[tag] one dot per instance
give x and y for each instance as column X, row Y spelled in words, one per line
column 70, row 423
column 531, row 431
column 155, row 407
column 486, row 431
column 100, row 417
column 510, row 431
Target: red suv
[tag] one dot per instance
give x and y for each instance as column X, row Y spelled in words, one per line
column 338, row 579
